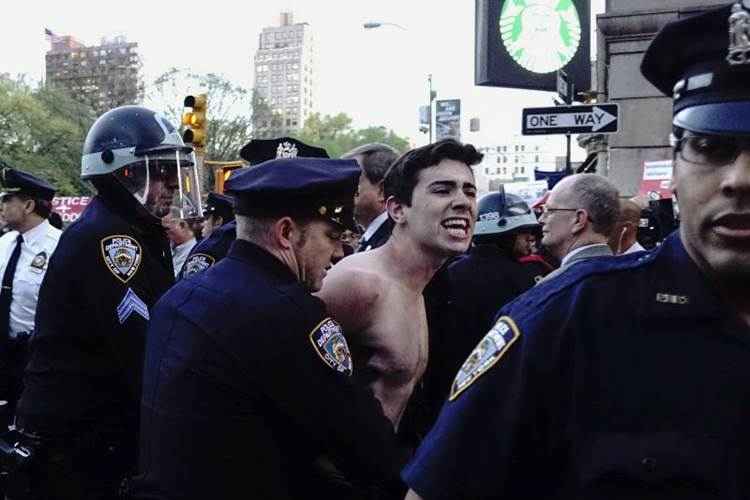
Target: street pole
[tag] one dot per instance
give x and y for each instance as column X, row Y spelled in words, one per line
column 567, row 155
column 429, row 104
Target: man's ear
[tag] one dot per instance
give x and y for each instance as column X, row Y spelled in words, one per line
column 219, row 221
column 396, row 209
column 283, row 232
column 582, row 220
column 29, row 206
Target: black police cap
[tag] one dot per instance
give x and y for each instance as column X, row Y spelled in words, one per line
column 220, row 205
column 16, row 181
column 260, row 150
column 314, row 187
column 703, row 62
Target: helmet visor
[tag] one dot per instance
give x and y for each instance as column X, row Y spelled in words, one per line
column 164, row 182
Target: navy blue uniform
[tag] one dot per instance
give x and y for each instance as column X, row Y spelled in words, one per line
column 247, row 384
column 210, row 250
column 82, row 384
column 626, row 378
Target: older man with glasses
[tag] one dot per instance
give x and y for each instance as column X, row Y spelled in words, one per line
column 578, row 219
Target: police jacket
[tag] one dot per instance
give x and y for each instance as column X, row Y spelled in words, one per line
column 625, row 378
column 461, row 301
column 247, row 383
column 108, row 270
column 210, row 250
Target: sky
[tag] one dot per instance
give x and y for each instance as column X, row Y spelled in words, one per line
column 377, row 76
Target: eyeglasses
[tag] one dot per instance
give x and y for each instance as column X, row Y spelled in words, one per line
column 714, row 150
column 547, row 210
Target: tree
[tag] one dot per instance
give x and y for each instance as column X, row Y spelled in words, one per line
column 229, row 108
column 42, row 131
column 336, row 135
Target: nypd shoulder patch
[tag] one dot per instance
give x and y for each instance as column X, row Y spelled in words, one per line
column 328, row 340
column 122, row 254
column 197, row 263
column 485, row 355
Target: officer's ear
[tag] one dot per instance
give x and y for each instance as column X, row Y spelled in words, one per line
column 581, row 221
column 381, row 192
column 283, row 232
column 29, row 206
column 218, row 221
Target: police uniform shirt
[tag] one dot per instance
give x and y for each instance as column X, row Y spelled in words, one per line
column 246, row 382
column 627, row 377
column 209, row 251
column 37, row 247
column 109, row 268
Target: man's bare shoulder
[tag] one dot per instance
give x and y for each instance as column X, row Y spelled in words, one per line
column 352, row 288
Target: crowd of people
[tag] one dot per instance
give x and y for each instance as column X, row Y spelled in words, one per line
column 367, row 328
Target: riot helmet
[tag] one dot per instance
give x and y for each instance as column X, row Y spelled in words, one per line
column 145, row 154
column 501, row 213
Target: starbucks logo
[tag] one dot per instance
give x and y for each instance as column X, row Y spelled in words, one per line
column 540, row 35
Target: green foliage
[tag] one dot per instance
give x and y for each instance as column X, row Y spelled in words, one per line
column 229, row 105
column 42, row 132
column 336, row 135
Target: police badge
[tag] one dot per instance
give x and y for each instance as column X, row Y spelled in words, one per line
column 39, row 262
column 485, row 355
column 328, row 340
column 739, row 34
column 197, row 263
column 286, row 150
column 122, row 255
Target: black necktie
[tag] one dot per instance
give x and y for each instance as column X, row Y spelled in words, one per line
column 362, row 245
column 6, row 294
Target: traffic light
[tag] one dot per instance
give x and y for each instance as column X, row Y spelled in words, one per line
column 522, row 44
column 195, row 121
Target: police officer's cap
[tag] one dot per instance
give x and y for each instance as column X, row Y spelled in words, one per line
column 219, row 205
column 16, row 181
column 314, row 187
column 703, row 61
column 260, row 150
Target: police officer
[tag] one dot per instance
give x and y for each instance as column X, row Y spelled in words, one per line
column 24, row 253
column 79, row 408
column 219, row 210
column 628, row 376
column 215, row 247
column 247, row 380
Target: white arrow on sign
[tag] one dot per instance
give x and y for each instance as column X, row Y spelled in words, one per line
column 597, row 119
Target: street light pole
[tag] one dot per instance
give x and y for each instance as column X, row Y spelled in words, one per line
column 430, row 98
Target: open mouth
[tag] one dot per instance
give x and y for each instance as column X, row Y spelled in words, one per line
column 733, row 226
column 458, row 227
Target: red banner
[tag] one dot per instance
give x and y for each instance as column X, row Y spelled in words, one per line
column 70, row 207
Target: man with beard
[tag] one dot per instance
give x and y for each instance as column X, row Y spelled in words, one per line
column 377, row 295
column 78, row 413
column 628, row 377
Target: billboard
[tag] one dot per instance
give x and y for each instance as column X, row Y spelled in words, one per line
column 448, row 119
column 523, row 43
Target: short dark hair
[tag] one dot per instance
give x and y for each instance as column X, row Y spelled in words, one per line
column 402, row 176
column 42, row 207
column 377, row 158
column 600, row 198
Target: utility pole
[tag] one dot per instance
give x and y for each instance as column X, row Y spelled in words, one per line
column 431, row 98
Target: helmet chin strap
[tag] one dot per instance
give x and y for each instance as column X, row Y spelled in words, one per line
column 142, row 198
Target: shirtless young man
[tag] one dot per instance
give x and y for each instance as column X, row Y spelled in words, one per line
column 377, row 295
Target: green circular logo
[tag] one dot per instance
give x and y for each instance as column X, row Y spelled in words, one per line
column 540, row 35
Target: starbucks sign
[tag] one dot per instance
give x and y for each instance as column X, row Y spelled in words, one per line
column 522, row 43
column 540, row 35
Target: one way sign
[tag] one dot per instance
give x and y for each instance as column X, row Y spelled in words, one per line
column 596, row 118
